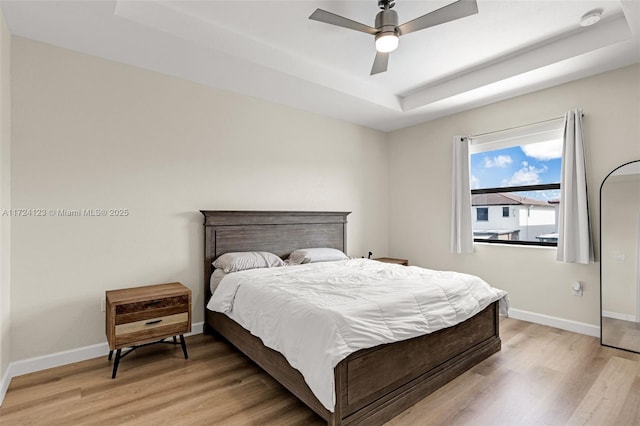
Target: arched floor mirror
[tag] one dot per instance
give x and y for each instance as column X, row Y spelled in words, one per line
column 620, row 258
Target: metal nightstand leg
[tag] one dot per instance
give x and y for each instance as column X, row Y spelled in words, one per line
column 120, row 355
column 115, row 363
column 184, row 346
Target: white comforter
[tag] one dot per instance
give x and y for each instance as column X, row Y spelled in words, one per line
column 317, row 314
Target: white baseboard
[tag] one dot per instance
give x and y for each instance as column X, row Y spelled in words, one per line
column 196, row 328
column 4, row 384
column 561, row 323
column 619, row 316
column 39, row 363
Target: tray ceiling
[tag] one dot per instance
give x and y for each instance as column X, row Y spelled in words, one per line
column 271, row 50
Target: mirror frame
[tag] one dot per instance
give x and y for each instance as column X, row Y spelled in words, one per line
column 600, row 254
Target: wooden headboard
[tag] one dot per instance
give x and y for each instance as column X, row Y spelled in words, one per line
column 278, row 232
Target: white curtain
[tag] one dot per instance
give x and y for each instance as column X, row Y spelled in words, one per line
column 461, row 228
column 574, row 233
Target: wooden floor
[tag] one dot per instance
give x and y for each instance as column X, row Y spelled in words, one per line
column 621, row 334
column 542, row 376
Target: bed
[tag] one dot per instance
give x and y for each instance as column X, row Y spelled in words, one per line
column 371, row 385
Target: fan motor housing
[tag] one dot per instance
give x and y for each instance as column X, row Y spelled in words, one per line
column 387, row 21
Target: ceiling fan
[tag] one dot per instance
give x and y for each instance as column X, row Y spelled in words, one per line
column 387, row 31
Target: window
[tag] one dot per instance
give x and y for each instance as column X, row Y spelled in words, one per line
column 515, row 184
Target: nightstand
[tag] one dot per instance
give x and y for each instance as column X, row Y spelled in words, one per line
column 403, row 262
column 142, row 316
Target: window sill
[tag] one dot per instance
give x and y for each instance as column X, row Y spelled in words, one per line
column 507, row 244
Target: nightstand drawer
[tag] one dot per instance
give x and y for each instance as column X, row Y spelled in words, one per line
column 151, row 328
column 150, row 324
column 139, row 311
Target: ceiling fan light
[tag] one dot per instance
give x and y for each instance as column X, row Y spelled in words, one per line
column 386, row 42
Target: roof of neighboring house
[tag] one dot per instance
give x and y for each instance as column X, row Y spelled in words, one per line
column 505, row 199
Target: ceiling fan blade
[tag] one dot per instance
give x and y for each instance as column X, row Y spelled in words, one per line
column 380, row 63
column 341, row 21
column 451, row 12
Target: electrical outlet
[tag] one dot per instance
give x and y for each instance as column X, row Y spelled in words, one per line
column 103, row 305
column 577, row 288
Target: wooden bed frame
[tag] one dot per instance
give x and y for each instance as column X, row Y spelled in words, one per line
column 372, row 385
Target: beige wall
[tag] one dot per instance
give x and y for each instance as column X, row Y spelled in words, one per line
column 5, row 194
column 89, row 133
column 420, row 190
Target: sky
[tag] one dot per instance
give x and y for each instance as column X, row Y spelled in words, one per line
column 531, row 164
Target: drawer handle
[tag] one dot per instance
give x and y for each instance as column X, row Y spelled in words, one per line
column 153, row 322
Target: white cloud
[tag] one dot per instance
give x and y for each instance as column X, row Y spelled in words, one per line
column 543, row 151
column 527, row 175
column 475, row 182
column 499, row 161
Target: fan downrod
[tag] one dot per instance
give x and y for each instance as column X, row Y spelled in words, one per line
column 386, row 4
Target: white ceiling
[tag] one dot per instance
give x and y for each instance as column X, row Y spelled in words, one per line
column 271, row 50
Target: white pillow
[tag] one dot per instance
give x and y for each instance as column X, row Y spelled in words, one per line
column 240, row 261
column 312, row 255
